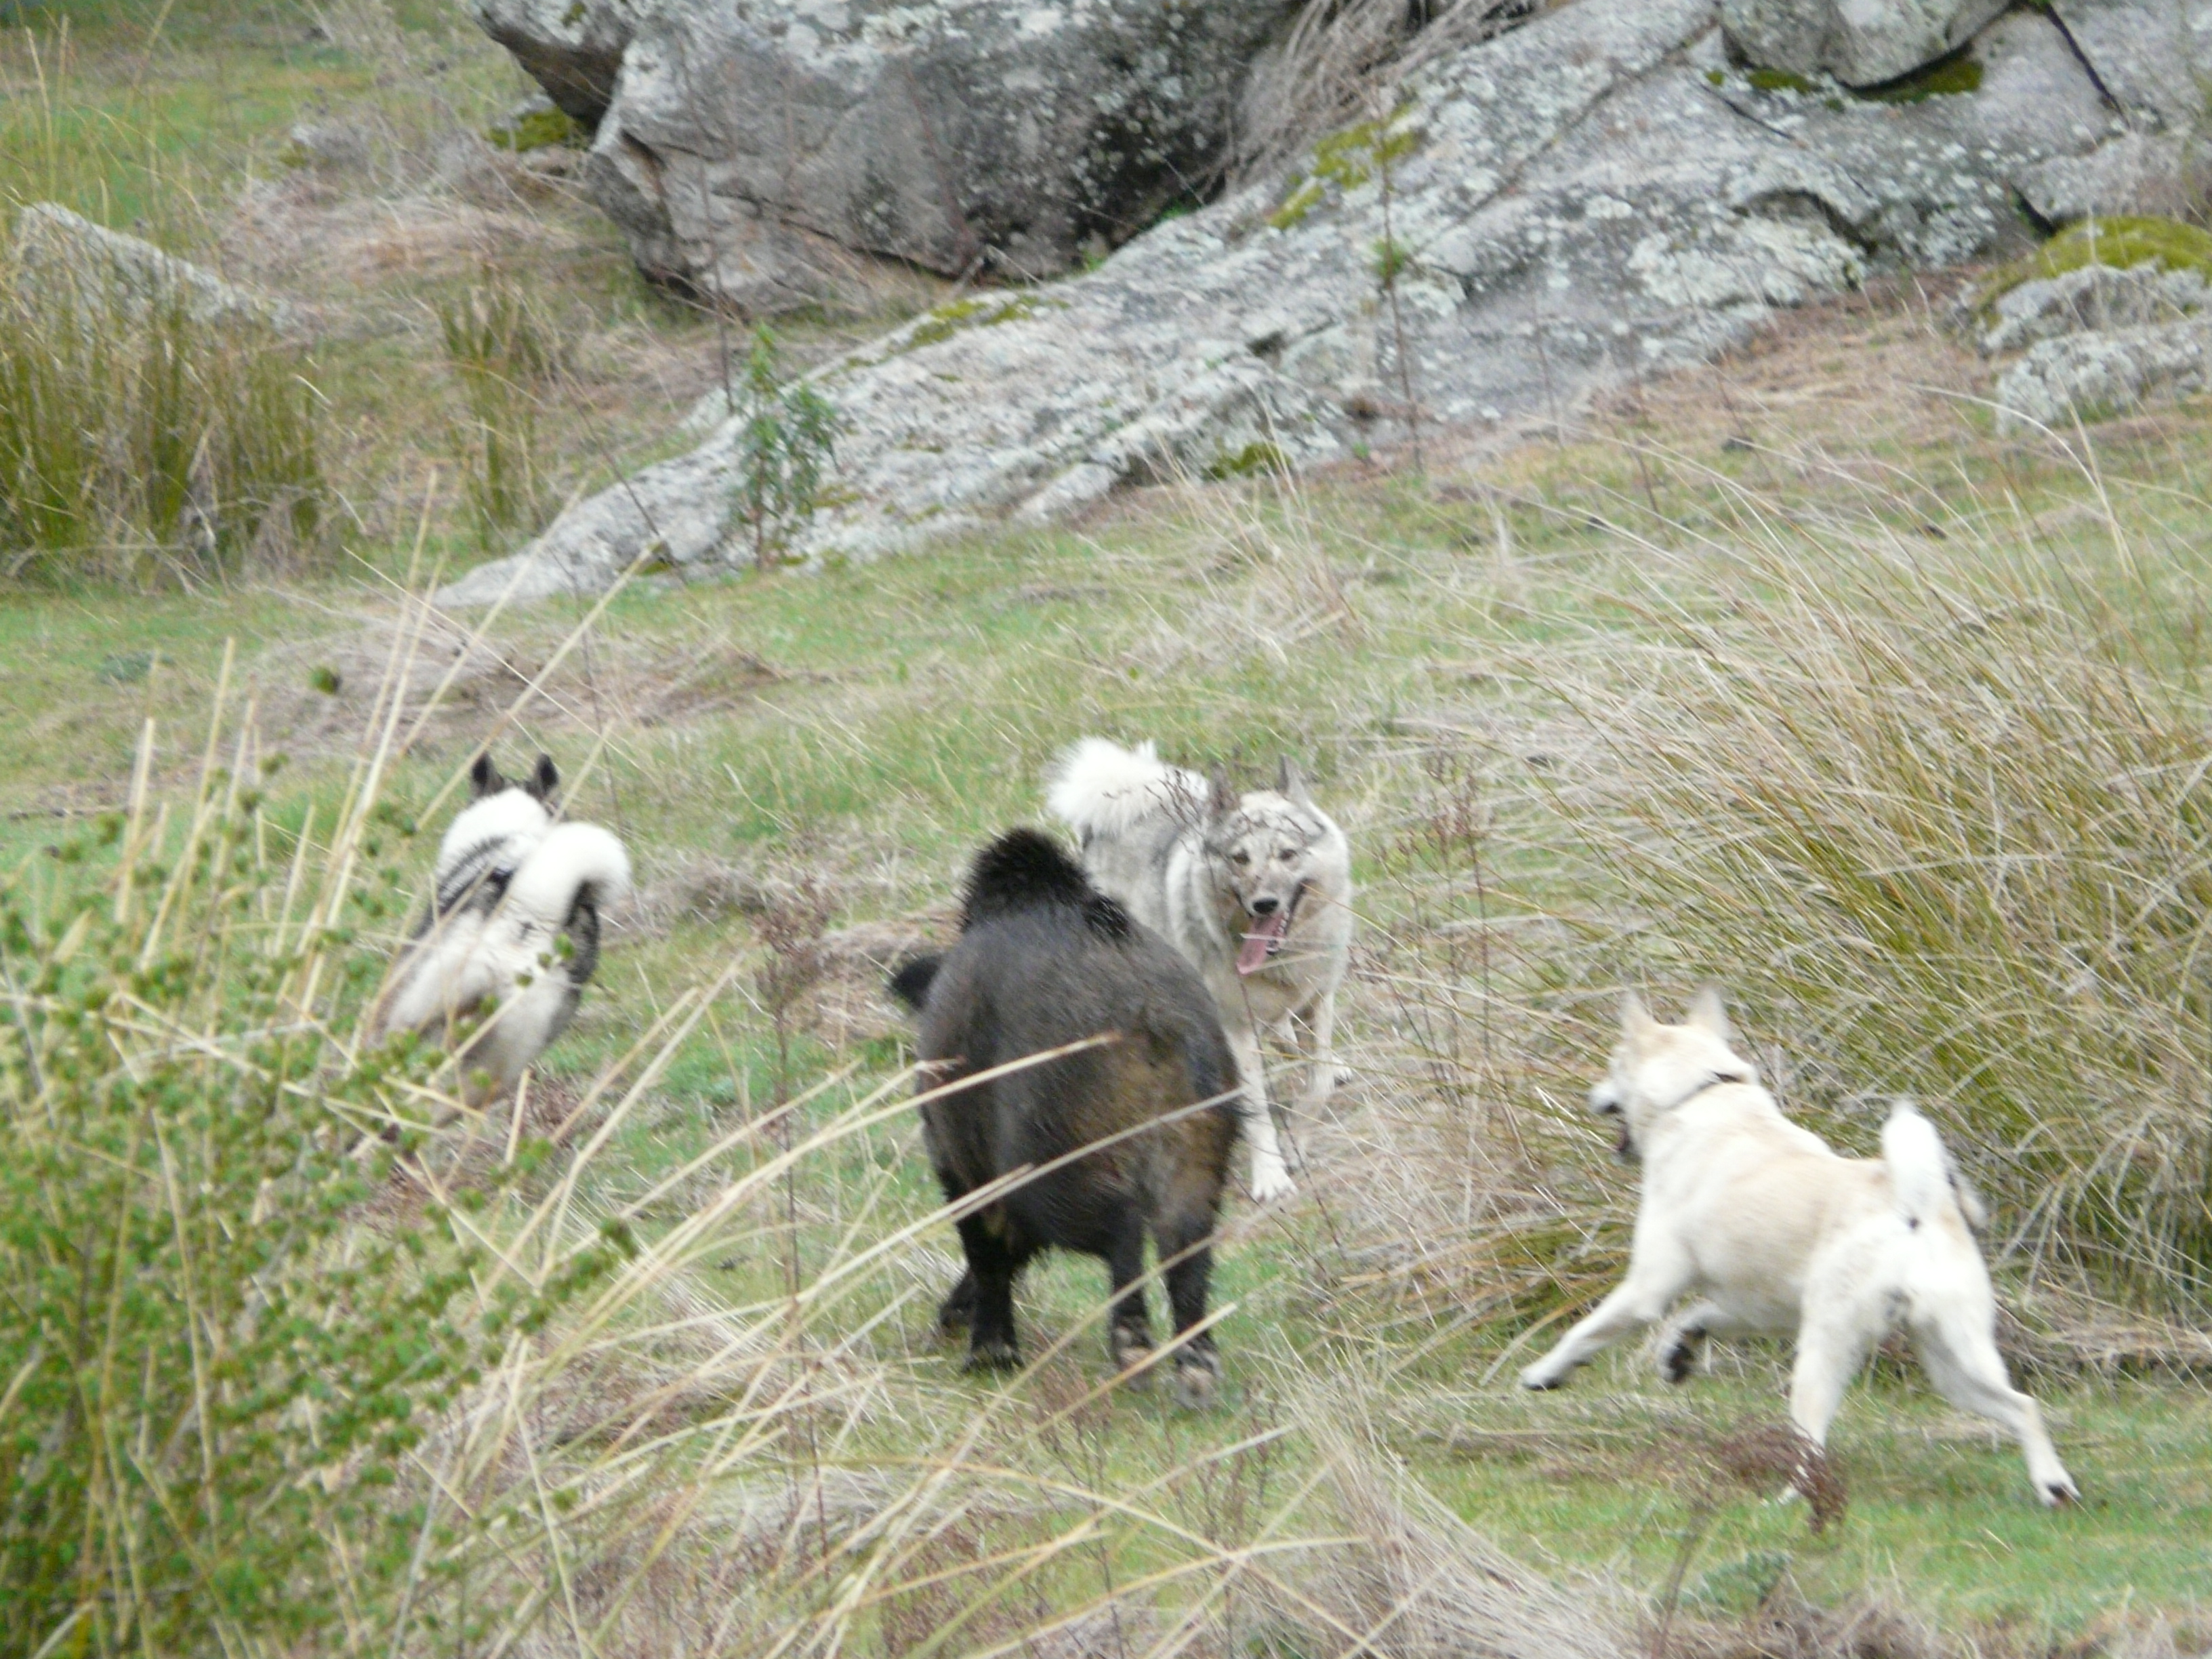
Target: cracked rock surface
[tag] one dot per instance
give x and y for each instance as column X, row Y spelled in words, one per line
column 751, row 149
column 1593, row 196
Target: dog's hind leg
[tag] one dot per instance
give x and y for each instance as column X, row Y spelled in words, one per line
column 1833, row 1343
column 1321, row 1060
column 1640, row 1300
column 1963, row 1362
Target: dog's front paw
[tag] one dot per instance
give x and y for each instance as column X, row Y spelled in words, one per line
column 1540, row 1376
column 1271, row 1180
column 2060, row 1493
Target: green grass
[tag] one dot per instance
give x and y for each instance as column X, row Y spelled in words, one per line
column 1437, row 653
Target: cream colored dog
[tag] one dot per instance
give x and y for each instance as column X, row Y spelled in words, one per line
column 1773, row 1231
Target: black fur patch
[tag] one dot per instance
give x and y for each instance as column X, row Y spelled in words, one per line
column 911, row 980
column 1105, row 918
column 1023, row 870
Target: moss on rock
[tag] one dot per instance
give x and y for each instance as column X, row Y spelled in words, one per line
column 2122, row 242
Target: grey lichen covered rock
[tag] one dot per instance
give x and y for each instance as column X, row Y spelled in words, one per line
column 2146, row 54
column 2093, row 297
column 1862, row 43
column 2153, row 174
column 2104, row 372
column 1595, row 196
column 104, row 272
column 751, row 148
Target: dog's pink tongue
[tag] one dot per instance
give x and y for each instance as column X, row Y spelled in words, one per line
column 1259, row 941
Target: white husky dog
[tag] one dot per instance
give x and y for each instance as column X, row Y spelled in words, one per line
column 510, row 880
column 1774, row 1231
column 1255, row 891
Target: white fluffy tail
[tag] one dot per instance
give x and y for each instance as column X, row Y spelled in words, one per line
column 571, row 858
column 1099, row 788
column 1920, row 1170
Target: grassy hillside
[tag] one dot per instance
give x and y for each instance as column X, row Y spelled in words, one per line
column 1787, row 672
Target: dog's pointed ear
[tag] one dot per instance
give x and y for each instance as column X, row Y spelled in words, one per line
column 1635, row 1018
column 1222, row 800
column 484, row 778
column 544, row 780
column 1706, row 1012
column 1291, row 783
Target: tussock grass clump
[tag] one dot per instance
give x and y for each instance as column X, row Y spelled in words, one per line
column 504, row 357
column 148, row 442
column 1940, row 813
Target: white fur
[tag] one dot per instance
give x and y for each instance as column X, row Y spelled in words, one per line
column 1771, row 1231
column 505, row 960
column 1149, row 839
column 1100, row 788
column 512, row 816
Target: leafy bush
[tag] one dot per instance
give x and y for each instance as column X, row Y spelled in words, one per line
column 153, row 441
column 226, row 1328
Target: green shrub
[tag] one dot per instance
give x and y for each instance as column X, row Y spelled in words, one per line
column 786, row 437
column 150, row 442
column 226, row 1330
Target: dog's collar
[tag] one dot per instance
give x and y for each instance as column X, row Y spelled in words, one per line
column 1712, row 1082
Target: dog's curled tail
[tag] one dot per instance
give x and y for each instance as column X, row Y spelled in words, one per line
column 573, row 861
column 1921, row 1172
column 1097, row 787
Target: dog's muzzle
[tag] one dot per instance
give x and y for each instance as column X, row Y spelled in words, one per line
column 1263, row 941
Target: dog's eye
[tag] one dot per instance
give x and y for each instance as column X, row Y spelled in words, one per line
column 1241, row 858
column 1286, row 855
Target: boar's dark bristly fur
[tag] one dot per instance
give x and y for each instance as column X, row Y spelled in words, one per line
column 1045, row 960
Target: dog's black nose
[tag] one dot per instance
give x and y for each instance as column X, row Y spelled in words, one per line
column 1265, row 907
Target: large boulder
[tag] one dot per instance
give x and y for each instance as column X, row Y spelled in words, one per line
column 108, row 274
column 1595, row 196
column 750, row 148
column 572, row 48
column 1862, row 43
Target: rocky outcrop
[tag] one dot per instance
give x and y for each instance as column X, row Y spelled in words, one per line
column 750, row 150
column 1862, row 43
column 572, row 48
column 2096, row 297
column 2098, row 341
column 2103, row 372
column 1595, row 196
column 105, row 272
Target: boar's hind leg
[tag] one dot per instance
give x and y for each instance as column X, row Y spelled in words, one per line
column 1129, row 1337
column 994, row 1259
column 1185, row 1251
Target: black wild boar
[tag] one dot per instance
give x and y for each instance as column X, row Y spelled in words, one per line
column 1045, row 960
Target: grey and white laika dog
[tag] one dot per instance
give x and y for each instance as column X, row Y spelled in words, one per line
column 511, row 881
column 1254, row 889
